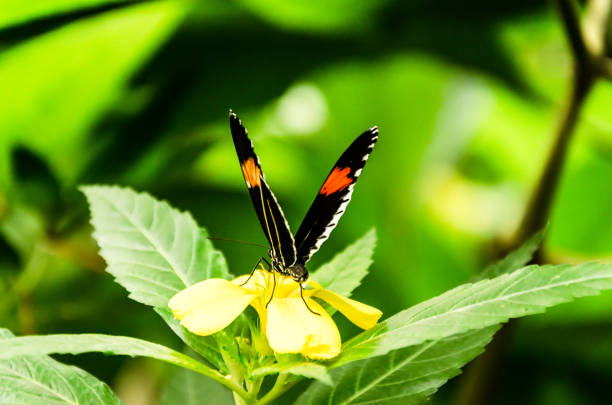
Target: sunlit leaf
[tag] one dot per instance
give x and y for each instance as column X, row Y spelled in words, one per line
column 108, row 344
column 39, row 380
column 189, row 388
column 155, row 251
column 412, row 374
column 53, row 98
column 152, row 249
column 581, row 217
column 346, row 270
column 406, row 376
column 308, row 16
column 478, row 305
column 539, row 53
column 13, row 12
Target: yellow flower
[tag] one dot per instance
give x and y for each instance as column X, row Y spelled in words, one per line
column 211, row 305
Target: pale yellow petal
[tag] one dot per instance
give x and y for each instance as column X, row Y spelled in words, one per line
column 240, row 280
column 292, row 328
column 286, row 287
column 210, row 305
column 256, row 283
column 293, row 288
column 360, row 314
column 263, row 282
column 260, row 306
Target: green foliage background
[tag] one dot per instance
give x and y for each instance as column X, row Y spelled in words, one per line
column 137, row 93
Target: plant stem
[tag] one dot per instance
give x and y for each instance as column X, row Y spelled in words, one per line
column 583, row 78
column 238, row 400
column 236, row 378
column 253, row 387
column 237, row 390
column 481, row 376
column 277, row 390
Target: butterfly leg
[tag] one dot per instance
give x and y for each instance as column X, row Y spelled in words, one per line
column 273, row 288
column 302, row 295
column 262, row 259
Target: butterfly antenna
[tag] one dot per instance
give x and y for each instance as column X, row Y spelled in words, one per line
column 237, row 241
column 302, row 295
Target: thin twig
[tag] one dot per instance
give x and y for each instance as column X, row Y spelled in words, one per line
column 583, row 77
column 568, row 11
column 537, row 213
column 481, row 376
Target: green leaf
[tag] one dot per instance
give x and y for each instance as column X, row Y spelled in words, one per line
column 515, row 259
column 107, row 344
column 189, row 388
column 301, row 368
column 478, row 305
column 206, row 346
column 155, row 251
column 39, row 380
column 346, row 270
column 152, row 249
column 13, row 12
column 45, row 81
column 410, row 375
column 299, row 15
column 406, row 376
column 21, row 226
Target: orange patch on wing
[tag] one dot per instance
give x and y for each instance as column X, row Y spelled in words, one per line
column 251, row 173
column 337, row 180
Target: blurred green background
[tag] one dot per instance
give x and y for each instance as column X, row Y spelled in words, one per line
column 466, row 95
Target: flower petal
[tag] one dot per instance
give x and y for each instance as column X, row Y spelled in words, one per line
column 255, row 282
column 360, row 314
column 260, row 306
column 210, row 305
column 292, row 328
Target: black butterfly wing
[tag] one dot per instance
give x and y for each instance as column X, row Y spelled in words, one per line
column 266, row 206
column 333, row 197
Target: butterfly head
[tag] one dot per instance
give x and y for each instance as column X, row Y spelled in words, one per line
column 298, row 272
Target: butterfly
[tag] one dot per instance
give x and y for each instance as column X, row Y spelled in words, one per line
column 290, row 254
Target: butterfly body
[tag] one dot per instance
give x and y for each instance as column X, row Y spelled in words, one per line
column 290, row 254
